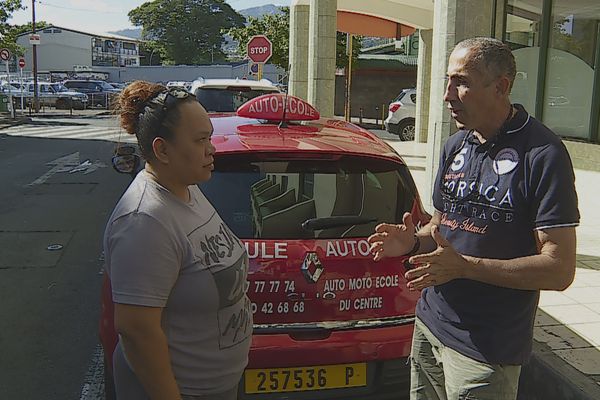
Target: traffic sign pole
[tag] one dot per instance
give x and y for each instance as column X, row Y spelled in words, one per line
column 21, row 87
column 21, row 66
column 7, row 72
column 260, row 71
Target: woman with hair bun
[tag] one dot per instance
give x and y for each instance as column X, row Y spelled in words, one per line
column 178, row 273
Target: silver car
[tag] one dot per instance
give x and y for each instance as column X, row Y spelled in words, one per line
column 401, row 117
column 58, row 96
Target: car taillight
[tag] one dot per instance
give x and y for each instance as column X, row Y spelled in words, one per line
column 394, row 107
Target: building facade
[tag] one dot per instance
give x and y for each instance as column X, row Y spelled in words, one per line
column 63, row 49
column 557, row 47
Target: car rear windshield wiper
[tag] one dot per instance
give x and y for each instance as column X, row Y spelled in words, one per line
column 339, row 221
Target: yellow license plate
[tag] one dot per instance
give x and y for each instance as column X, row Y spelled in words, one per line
column 305, row 378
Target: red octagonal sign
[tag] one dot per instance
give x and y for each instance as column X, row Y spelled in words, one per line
column 260, row 49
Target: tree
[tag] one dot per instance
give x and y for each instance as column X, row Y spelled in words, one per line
column 277, row 28
column 341, row 56
column 151, row 53
column 274, row 26
column 7, row 7
column 186, row 31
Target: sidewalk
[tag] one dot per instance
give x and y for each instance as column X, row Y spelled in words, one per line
column 566, row 360
column 49, row 114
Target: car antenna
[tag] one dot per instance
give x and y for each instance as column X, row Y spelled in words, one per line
column 283, row 123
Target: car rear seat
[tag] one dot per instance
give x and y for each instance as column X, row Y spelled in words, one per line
column 278, row 203
column 287, row 223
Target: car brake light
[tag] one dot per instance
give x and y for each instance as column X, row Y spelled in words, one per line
column 394, row 107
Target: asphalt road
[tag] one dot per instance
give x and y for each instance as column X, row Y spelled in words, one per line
column 49, row 299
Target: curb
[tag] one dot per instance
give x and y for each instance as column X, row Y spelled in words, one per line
column 547, row 376
column 8, row 122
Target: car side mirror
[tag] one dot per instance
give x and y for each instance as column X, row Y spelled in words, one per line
column 125, row 160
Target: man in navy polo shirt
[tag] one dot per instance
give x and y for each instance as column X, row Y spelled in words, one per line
column 503, row 229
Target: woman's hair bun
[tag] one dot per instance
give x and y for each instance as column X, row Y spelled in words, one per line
column 133, row 100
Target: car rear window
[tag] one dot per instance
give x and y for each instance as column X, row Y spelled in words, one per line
column 400, row 96
column 345, row 197
column 227, row 99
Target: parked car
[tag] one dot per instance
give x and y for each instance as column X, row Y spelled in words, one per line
column 117, row 85
column 227, row 95
column 49, row 94
column 401, row 117
column 187, row 86
column 13, row 88
column 100, row 93
column 329, row 322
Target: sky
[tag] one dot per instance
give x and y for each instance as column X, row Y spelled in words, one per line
column 100, row 15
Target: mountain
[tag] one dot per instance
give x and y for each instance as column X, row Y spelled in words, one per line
column 258, row 12
column 131, row 33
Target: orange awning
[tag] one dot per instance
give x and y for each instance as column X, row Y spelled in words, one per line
column 366, row 25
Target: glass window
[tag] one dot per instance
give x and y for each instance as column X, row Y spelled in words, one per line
column 129, row 46
column 523, row 20
column 227, row 99
column 273, row 198
column 570, row 67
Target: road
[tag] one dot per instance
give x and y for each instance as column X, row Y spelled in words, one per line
column 51, row 224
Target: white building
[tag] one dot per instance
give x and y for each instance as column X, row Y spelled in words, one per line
column 61, row 49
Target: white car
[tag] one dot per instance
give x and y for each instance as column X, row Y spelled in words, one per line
column 401, row 117
column 227, row 95
column 180, row 85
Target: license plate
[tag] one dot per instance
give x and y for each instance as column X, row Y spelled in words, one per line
column 305, row 378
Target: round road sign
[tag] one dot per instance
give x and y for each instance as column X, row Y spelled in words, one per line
column 4, row 54
column 21, row 62
column 260, row 49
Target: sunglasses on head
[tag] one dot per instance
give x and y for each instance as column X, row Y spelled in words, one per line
column 170, row 97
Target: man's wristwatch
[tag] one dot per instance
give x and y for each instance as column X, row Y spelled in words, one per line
column 415, row 248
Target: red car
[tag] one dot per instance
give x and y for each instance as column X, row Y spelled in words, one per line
column 304, row 197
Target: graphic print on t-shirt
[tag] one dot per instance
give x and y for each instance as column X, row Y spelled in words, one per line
column 506, row 161
column 488, row 195
column 224, row 256
column 235, row 318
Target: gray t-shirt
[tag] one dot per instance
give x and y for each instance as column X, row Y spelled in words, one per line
column 162, row 252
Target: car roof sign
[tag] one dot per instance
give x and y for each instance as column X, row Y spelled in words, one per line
column 270, row 107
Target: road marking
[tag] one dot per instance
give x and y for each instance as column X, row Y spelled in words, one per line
column 113, row 134
column 93, row 383
column 77, row 133
column 88, row 167
column 62, row 164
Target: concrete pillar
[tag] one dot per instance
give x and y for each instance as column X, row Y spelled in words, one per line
column 454, row 20
column 299, row 27
column 321, row 55
column 423, row 85
column 499, row 28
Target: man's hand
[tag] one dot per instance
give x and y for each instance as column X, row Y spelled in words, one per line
column 390, row 240
column 438, row 267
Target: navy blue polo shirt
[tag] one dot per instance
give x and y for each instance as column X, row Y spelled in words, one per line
column 493, row 197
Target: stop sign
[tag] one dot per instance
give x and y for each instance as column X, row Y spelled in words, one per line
column 21, row 62
column 260, row 49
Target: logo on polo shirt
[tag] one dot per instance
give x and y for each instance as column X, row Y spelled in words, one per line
column 459, row 160
column 506, row 161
